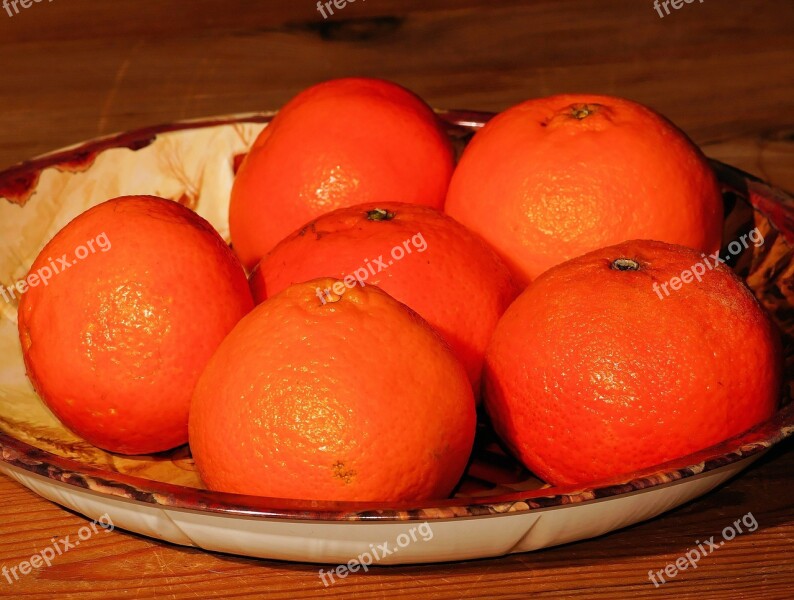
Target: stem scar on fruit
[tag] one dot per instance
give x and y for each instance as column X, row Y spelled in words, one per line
column 625, row 264
column 582, row 111
column 380, row 214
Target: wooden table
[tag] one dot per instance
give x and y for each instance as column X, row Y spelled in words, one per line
column 724, row 71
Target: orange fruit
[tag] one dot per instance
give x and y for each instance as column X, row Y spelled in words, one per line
column 417, row 254
column 339, row 143
column 586, row 386
column 356, row 398
column 554, row 178
column 115, row 341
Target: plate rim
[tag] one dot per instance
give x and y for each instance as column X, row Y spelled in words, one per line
column 5, row 466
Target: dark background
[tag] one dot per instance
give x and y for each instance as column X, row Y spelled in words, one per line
column 75, row 69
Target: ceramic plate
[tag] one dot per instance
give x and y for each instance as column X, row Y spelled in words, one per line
column 498, row 509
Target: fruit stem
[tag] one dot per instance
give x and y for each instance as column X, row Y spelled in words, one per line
column 582, row 111
column 380, row 214
column 625, row 264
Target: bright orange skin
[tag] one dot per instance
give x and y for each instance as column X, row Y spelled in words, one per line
column 451, row 277
column 543, row 186
column 357, row 399
column 339, row 143
column 586, row 386
column 115, row 344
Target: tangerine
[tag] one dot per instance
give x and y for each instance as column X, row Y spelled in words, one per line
column 114, row 343
column 356, row 398
column 339, row 143
column 554, row 178
column 586, row 386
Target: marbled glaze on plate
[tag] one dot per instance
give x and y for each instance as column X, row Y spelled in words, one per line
column 194, row 163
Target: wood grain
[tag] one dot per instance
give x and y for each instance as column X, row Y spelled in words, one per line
column 74, row 70
column 724, row 71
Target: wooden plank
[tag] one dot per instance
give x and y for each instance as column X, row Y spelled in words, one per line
column 704, row 67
